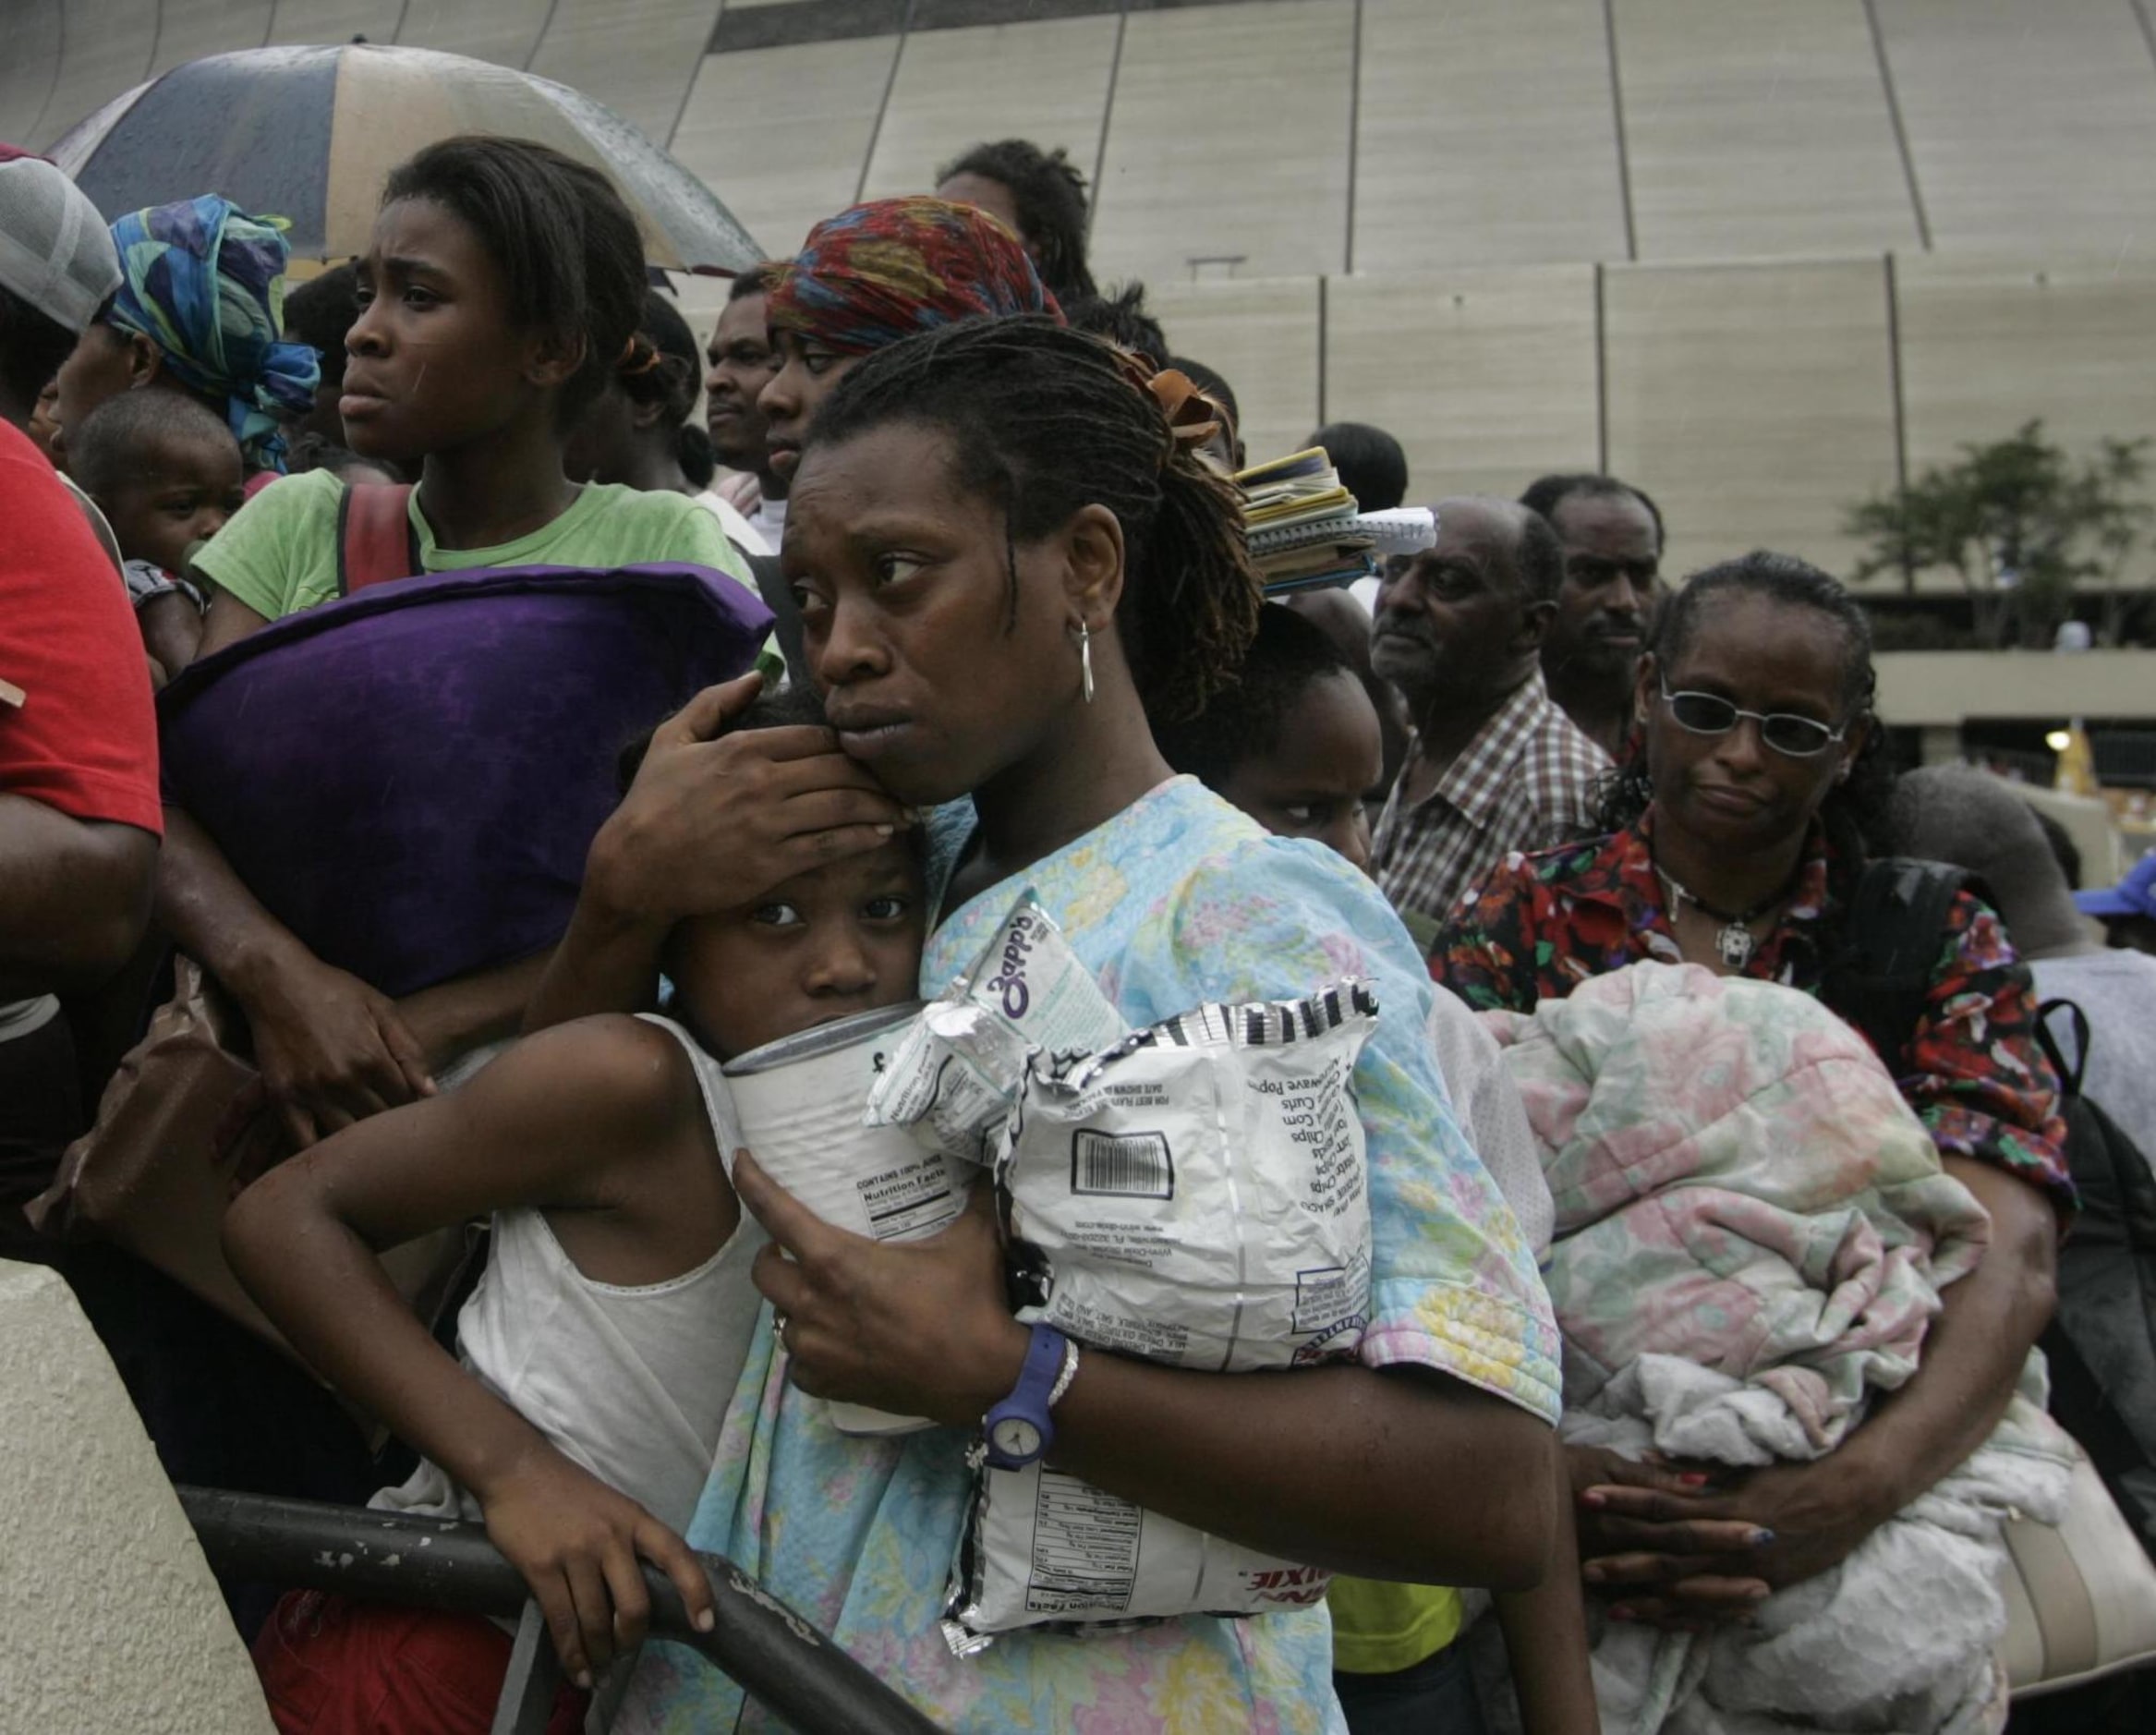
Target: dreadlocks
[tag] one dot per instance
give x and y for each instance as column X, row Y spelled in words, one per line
column 1046, row 420
column 1049, row 193
column 1288, row 656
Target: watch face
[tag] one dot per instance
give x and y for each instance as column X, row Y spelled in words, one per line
column 1014, row 1436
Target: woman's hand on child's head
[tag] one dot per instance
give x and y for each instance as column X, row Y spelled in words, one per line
column 917, row 1327
column 579, row 1544
column 714, row 824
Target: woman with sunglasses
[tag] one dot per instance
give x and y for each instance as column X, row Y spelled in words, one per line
column 1753, row 791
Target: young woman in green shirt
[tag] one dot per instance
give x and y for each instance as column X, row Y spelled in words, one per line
column 502, row 286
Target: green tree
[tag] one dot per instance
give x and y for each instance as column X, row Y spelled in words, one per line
column 2113, row 515
column 2022, row 526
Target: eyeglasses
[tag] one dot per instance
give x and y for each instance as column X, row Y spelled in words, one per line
column 1793, row 737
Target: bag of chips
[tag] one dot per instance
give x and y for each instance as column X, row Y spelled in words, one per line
column 1196, row 1194
column 955, row 1076
column 1042, row 1548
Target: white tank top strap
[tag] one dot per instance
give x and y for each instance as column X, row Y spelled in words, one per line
column 712, row 1080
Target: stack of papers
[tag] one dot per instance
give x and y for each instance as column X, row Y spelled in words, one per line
column 1305, row 532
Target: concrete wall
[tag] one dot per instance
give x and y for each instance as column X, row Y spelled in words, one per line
column 1756, row 400
column 1933, row 688
column 1762, row 259
column 1337, row 135
column 112, row 1620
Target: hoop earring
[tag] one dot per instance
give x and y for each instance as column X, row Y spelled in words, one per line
column 1085, row 659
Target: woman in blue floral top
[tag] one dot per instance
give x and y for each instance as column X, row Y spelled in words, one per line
column 1005, row 557
column 1737, row 831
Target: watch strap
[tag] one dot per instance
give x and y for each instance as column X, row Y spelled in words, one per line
column 1068, row 1373
column 1047, row 1357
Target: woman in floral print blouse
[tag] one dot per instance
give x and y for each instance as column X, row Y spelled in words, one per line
column 1735, row 833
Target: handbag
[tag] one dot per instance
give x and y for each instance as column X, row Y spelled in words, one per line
column 2080, row 1595
column 459, row 860
column 180, row 1130
column 184, row 1126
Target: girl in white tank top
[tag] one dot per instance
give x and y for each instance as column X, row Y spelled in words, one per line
column 599, row 1351
column 630, row 1381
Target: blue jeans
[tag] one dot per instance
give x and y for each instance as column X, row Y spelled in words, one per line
column 1437, row 1696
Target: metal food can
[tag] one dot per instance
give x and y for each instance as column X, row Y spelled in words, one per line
column 802, row 1102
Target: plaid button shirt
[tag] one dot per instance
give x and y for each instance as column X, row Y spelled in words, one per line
column 1526, row 782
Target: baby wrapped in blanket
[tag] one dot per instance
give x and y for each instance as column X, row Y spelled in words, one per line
column 1752, row 1231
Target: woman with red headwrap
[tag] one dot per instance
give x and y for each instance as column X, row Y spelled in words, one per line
column 876, row 274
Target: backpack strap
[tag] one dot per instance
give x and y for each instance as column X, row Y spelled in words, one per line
column 376, row 539
column 2069, row 1075
column 1895, row 925
column 778, row 596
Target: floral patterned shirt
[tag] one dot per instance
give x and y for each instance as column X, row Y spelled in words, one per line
column 1543, row 923
column 1176, row 900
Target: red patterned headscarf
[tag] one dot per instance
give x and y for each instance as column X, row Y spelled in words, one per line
column 884, row 270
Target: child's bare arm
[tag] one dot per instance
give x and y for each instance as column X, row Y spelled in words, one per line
column 582, row 1118
column 228, row 621
column 172, row 628
column 456, row 1015
column 1545, row 1635
column 574, row 1119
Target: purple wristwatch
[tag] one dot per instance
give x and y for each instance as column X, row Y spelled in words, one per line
column 1019, row 1430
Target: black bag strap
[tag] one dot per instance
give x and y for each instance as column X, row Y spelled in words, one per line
column 2102, row 1339
column 2136, row 1193
column 778, row 596
column 1895, row 925
column 2116, row 1183
column 2088, row 1408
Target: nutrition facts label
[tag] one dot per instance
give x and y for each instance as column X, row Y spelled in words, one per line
column 910, row 1199
column 1084, row 1548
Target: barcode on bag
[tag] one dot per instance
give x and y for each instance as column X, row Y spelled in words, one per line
column 1135, row 1166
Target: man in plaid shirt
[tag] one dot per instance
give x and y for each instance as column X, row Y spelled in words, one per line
column 1494, row 765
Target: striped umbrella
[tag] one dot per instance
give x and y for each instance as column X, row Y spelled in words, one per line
column 311, row 134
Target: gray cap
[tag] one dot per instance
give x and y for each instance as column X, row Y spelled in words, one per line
column 56, row 252
column 1955, row 813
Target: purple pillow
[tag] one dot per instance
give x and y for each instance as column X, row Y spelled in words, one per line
column 409, row 779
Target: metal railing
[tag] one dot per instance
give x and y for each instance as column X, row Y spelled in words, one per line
column 778, row 1658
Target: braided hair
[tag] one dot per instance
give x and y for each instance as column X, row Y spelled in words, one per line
column 1046, row 420
column 664, row 366
column 1856, row 811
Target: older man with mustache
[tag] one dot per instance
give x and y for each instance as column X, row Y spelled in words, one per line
column 1494, row 766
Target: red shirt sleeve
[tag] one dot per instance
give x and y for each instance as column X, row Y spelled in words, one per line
column 84, row 739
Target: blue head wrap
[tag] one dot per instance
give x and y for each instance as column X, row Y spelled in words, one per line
column 205, row 283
